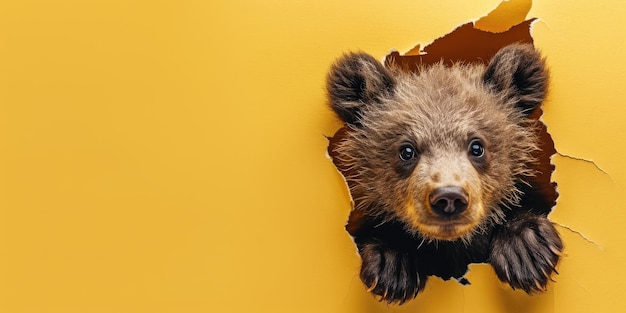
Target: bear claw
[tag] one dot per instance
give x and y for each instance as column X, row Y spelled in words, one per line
column 525, row 252
column 390, row 274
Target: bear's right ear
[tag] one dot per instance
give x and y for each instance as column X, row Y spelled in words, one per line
column 519, row 72
column 355, row 81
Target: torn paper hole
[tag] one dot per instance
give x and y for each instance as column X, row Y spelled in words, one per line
column 473, row 42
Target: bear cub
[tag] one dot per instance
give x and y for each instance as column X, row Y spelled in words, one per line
column 440, row 166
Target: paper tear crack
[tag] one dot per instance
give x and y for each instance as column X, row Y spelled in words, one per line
column 502, row 18
column 592, row 162
column 581, row 235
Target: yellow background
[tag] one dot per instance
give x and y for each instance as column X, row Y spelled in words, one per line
column 169, row 156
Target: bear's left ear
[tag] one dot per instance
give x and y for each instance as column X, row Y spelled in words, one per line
column 356, row 81
column 520, row 73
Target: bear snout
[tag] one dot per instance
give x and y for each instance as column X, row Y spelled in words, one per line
column 448, row 201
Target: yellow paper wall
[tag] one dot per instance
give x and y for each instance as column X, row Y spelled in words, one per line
column 169, row 156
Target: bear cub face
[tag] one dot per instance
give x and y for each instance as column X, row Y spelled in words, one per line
column 441, row 167
column 442, row 151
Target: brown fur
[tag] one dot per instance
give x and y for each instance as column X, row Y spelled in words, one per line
column 438, row 113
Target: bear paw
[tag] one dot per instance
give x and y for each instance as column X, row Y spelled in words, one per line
column 390, row 273
column 525, row 252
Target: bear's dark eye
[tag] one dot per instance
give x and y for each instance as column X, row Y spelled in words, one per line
column 407, row 152
column 476, row 148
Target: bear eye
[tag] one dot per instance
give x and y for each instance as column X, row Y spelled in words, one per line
column 407, row 152
column 476, row 148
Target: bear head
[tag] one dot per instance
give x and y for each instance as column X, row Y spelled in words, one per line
column 444, row 150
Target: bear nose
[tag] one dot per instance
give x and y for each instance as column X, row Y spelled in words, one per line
column 448, row 201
